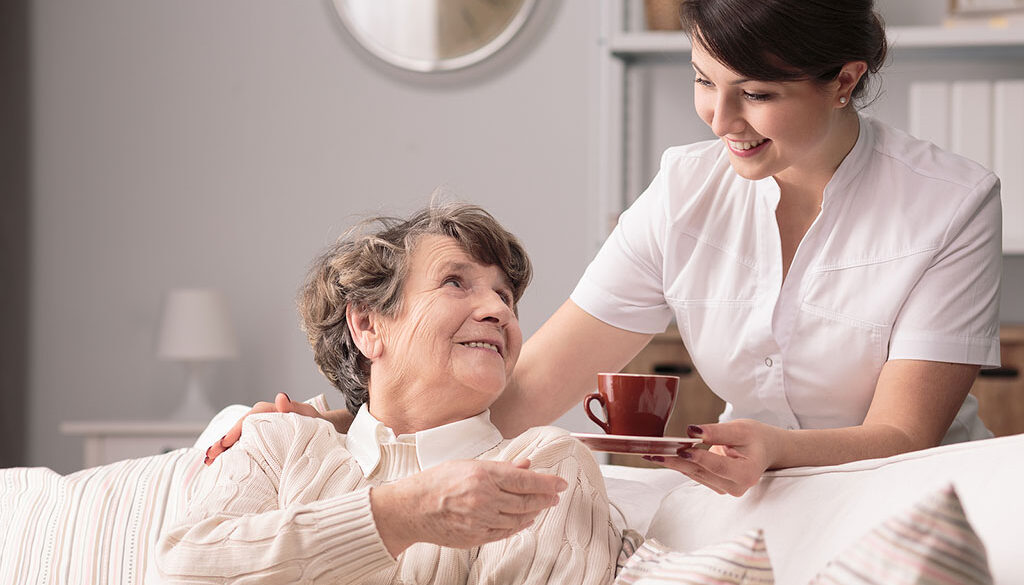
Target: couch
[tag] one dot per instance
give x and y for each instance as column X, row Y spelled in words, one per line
column 811, row 516
column 100, row 525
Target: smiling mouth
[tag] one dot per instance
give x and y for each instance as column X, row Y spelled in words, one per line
column 741, row 146
column 483, row 345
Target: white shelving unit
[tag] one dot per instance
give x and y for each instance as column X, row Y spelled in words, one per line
column 659, row 44
column 626, row 52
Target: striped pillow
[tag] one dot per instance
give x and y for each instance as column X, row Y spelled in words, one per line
column 932, row 543
column 98, row 525
column 743, row 561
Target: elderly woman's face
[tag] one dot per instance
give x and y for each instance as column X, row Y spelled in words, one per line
column 456, row 332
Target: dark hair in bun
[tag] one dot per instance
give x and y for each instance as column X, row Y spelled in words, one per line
column 789, row 40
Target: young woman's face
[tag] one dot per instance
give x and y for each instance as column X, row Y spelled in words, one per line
column 769, row 128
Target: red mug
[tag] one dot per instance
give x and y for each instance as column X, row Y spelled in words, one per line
column 633, row 404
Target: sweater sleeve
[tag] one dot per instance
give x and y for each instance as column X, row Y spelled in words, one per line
column 249, row 520
column 573, row 542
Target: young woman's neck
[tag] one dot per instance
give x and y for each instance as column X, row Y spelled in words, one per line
column 807, row 181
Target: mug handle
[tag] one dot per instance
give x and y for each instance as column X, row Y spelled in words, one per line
column 586, row 406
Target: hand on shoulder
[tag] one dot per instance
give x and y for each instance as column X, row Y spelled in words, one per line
column 282, row 404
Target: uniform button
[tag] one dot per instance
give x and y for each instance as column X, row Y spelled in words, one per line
column 768, row 362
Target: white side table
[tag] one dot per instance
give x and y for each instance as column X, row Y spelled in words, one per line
column 109, row 441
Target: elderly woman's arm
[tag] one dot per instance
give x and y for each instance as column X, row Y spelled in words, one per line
column 571, row 543
column 253, row 516
column 461, row 504
column 273, row 509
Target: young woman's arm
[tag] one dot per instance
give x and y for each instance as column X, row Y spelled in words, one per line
column 559, row 366
column 914, row 403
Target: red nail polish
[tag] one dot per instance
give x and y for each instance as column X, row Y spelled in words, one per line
column 286, row 396
column 207, row 461
column 694, row 431
column 657, row 458
column 684, row 453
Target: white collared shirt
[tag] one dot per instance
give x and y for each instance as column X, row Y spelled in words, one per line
column 464, row 439
column 903, row 262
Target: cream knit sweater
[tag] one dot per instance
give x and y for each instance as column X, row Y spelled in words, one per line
column 289, row 504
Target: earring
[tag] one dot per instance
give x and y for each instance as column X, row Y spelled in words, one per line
column 842, row 100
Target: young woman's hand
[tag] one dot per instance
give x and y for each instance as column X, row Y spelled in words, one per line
column 462, row 504
column 740, row 452
column 340, row 419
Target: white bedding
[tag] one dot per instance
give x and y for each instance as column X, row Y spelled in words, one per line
column 100, row 525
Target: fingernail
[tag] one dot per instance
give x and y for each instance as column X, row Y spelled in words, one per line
column 657, row 458
column 684, row 453
column 207, row 461
column 647, row 457
column 694, row 431
column 286, row 396
column 208, row 451
column 221, row 441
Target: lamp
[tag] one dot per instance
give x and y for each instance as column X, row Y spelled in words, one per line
column 195, row 329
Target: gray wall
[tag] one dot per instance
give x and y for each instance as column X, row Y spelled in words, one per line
column 224, row 143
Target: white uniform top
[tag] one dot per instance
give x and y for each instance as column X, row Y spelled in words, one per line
column 903, row 262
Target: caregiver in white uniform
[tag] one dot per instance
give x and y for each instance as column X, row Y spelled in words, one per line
column 835, row 280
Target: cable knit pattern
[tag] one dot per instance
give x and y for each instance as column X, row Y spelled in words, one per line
column 289, row 504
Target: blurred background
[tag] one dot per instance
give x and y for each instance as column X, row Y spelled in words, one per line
column 149, row 146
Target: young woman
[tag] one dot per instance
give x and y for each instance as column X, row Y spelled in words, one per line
column 835, row 280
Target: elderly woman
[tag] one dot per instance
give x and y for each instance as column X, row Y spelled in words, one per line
column 416, row 324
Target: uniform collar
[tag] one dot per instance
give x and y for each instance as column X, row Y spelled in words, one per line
column 464, row 439
column 853, row 165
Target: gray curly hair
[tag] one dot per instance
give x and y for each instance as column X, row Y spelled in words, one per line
column 367, row 268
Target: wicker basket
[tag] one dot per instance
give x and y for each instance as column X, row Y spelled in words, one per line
column 662, row 14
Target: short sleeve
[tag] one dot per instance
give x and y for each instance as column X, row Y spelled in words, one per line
column 952, row 313
column 624, row 284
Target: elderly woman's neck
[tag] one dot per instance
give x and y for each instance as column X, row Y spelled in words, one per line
column 408, row 421
column 406, row 409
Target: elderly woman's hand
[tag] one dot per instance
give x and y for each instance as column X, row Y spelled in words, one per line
column 462, row 504
column 281, row 403
column 740, row 452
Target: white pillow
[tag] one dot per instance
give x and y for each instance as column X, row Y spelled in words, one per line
column 811, row 515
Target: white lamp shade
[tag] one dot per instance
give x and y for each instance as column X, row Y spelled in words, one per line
column 196, row 327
